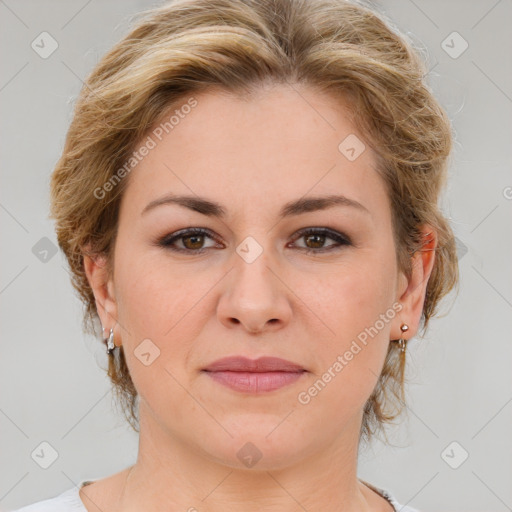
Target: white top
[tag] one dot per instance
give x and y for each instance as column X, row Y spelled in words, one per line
column 69, row 501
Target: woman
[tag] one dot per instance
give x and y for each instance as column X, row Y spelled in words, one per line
column 247, row 199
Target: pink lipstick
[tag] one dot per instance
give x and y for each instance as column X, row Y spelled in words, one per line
column 254, row 375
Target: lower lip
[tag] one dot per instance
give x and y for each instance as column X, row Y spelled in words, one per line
column 255, row 382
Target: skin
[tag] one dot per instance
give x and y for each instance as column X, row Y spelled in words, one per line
column 252, row 156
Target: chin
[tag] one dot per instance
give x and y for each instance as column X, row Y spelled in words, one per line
column 264, row 445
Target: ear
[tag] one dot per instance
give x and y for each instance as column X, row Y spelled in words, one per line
column 411, row 293
column 102, row 285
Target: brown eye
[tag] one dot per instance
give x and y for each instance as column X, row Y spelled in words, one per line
column 187, row 240
column 315, row 239
column 193, row 241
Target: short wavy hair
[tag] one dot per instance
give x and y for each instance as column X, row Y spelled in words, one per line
column 185, row 46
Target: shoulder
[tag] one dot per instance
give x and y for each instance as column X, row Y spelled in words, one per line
column 71, row 501
column 67, row 501
column 397, row 506
column 392, row 500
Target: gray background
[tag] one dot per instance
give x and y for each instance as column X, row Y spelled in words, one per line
column 53, row 387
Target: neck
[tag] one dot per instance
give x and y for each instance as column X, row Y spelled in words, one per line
column 172, row 475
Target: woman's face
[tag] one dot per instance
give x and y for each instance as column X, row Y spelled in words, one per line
column 248, row 287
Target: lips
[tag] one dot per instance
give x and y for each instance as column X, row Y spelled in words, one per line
column 254, row 376
column 261, row 365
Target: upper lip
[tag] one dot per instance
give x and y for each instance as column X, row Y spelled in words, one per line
column 262, row 364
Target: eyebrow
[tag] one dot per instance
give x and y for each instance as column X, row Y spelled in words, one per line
column 297, row 207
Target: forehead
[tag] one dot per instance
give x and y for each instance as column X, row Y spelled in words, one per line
column 278, row 144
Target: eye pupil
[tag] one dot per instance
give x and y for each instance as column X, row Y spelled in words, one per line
column 320, row 240
column 196, row 245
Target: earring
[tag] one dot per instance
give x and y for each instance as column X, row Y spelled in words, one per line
column 110, row 342
column 403, row 342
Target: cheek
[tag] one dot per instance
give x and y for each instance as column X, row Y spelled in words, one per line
column 153, row 309
column 357, row 307
column 354, row 295
column 152, row 296
column 159, row 303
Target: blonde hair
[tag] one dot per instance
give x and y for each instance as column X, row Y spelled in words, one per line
column 186, row 46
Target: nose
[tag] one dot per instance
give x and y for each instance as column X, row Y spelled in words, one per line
column 254, row 297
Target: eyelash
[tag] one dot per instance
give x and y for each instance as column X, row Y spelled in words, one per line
column 340, row 239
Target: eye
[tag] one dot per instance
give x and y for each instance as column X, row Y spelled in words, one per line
column 192, row 240
column 316, row 238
